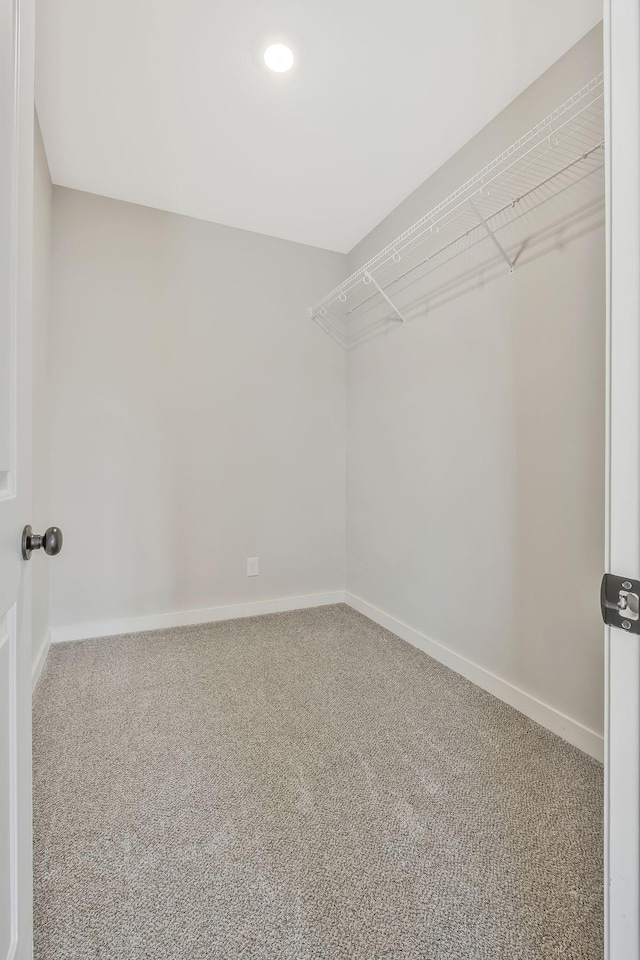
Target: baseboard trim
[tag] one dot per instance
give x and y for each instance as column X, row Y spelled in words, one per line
column 182, row 618
column 40, row 660
column 571, row 730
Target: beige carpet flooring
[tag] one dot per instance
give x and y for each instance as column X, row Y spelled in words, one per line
column 302, row 786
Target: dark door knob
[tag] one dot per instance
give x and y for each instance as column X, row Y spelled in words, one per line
column 51, row 540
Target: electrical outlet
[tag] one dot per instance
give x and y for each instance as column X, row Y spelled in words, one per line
column 253, row 566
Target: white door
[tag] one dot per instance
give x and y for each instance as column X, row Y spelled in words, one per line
column 622, row 720
column 16, row 186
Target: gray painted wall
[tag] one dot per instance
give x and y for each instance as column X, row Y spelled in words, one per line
column 41, row 517
column 475, row 504
column 197, row 418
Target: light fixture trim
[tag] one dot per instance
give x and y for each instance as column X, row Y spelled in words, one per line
column 279, row 58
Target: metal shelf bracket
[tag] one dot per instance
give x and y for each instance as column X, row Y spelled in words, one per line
column 503, row 252
column 368, row 278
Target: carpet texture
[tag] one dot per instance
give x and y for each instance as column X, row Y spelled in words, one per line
column 302, row 786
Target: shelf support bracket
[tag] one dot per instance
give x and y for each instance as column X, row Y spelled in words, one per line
column 503, row 252
column 368, row 278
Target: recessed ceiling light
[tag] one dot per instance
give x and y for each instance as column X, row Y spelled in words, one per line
column 278, row 58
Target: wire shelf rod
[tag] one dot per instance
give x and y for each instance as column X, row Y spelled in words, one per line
column 539, row 136
column 460, row 210
column 474, row 227
column 398, row 247
column 555, row 149
column 557, row 154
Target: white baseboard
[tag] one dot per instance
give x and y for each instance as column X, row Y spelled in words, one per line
column 571, row 730
column 181, row 618
column 40, row 660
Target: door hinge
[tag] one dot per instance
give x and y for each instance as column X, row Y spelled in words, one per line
column 620, row 602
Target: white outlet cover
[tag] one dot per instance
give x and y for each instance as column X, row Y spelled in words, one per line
column 253, row 566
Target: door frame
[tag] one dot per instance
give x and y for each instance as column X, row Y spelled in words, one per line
column 622, row 497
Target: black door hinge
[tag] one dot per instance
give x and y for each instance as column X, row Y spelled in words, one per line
column 620, row 602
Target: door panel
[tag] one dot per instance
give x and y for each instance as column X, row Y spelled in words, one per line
column 16, row 214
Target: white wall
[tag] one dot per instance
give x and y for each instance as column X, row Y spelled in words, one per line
column 41, row 515
column 197, row 418
column 476, row 436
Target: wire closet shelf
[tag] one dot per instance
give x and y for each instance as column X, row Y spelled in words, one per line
column 556, row 153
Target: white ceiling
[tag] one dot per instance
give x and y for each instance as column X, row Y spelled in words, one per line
column 167, row 104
